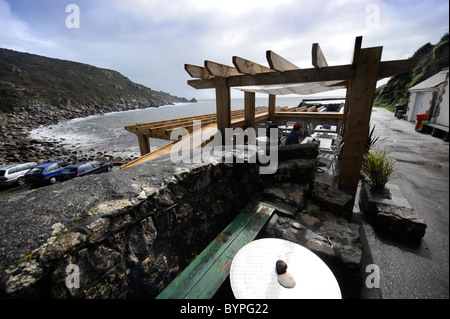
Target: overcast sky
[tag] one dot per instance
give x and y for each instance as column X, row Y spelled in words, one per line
column 149, row 41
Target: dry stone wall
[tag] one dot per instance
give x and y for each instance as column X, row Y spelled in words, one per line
column 130, row 232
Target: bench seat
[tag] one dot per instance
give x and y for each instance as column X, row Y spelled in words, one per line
column 206, row 273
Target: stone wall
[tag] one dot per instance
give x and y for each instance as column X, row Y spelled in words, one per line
column 129, row 232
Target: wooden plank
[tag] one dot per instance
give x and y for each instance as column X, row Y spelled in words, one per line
column 219, row 271
column 223, row 106
column 206, row 273
column 155, row 154
column 272, row 104
column 248, row 67
column 318, row 59
column 249, row 107
column 357, row 123
column 331, row 73
column 144, row 144
column 181, row 285
column 310, row 115
column 279, row 63
column 221, row 70
column 356, row 51
column 390, row 68
column 198, row 72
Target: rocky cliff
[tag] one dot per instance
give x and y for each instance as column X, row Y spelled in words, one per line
column 27, row 80
column 36, row 90
column 432, row 59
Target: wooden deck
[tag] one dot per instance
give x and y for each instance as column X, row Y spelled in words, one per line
column 161, row 129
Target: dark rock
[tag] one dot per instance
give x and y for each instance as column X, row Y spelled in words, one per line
column 306, row 151
column 332, row 199
column 289, row 193
column 61, row 246
column 281, row 267
column 299, row 171
column 401, row 221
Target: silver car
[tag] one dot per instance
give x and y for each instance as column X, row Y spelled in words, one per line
column 14, row 173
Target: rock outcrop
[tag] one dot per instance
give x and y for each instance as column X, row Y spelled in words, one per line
column 391, row 216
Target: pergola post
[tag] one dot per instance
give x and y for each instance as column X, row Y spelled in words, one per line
column 359, row 107
column 249, row 109
column 272, row 103
column 144, row 144
column 223, row 105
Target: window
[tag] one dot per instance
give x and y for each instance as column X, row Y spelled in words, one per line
column 36, row 170
column 52, row 168
column 22, row 168
column 88, row 166
column 96, row 164
column 63, row 164
column 69, row 170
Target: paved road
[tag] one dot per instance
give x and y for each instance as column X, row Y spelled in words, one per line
column 422, row 174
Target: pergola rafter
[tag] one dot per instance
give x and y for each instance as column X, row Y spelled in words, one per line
column 359, row 77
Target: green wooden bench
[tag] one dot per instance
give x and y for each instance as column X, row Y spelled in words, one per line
column 206, row 273
column 438, row 127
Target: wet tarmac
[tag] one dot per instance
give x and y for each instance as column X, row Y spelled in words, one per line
column 412, row 270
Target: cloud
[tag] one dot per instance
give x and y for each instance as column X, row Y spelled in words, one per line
column 16, row 34
column 150, row 41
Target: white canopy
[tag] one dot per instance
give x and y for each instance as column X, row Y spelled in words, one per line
column 302, row 89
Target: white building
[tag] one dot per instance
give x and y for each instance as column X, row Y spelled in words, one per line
column 430, row 96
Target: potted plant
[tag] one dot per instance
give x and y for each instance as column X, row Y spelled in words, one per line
column 378, row 169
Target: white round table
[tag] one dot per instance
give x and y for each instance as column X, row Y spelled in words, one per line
column 253, row 274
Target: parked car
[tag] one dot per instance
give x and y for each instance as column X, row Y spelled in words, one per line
column 45, row 172
column 84, row 168
column 14, row 173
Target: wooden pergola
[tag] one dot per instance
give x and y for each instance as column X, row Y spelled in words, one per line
column 359, row 77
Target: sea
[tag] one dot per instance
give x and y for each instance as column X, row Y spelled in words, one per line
column 106, row 133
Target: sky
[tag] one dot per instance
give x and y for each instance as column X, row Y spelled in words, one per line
column 149, row 41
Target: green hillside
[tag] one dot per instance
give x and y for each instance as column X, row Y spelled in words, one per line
column 432, row 59
column 27, row 77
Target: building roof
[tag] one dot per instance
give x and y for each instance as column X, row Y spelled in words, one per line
column 431, row 82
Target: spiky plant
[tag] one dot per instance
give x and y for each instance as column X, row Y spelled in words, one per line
column 378, row 168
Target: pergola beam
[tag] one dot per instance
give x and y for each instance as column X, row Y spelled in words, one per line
column 198, row 72
column 279, row 63
column 356, row 51
column 318, row 59
column 221, row 70
column 248, row 67
column 330, row 73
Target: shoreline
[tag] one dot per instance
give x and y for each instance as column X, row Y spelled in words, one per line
column 18, row 146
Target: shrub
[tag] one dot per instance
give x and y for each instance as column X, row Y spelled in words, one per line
column 378, row 168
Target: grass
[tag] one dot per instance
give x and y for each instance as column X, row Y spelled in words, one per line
column 386, row 105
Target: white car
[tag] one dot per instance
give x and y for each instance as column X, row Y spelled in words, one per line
column 14, row 173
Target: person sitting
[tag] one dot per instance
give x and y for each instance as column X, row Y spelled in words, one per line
column 292, row 138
